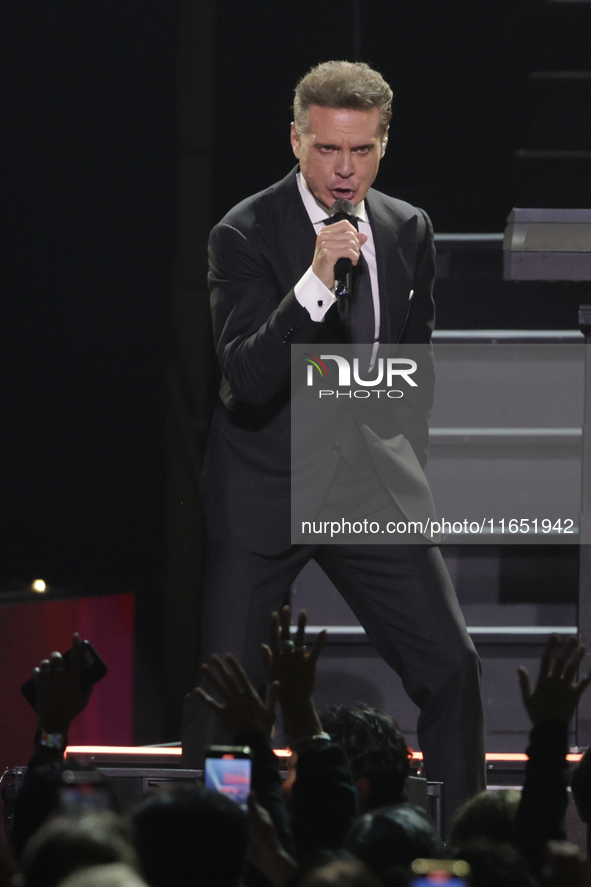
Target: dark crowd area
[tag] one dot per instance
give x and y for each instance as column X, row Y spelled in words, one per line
column 340, row 815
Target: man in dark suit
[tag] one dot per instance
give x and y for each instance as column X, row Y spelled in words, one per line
column 272, row 279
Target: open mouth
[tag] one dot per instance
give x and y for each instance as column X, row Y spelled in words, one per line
column 342, row 193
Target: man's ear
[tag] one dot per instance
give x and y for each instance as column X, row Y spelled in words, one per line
column 384, row 142
column 295, row 142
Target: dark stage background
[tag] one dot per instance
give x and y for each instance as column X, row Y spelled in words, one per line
column 132, row 127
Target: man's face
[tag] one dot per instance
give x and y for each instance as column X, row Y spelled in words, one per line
column 340, row 153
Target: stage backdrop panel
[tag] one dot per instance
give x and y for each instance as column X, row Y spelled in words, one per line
column 29, row 631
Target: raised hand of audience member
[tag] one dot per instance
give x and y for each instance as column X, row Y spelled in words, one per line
column 557, row 692
column 58, row 689
column 550, row 704
column 324, row 798
column 241, row 709
column 293, row 665
column 265, row 849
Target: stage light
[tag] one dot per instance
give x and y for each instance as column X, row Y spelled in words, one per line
column 39, row 586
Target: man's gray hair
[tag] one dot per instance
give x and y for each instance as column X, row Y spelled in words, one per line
column 351, row 85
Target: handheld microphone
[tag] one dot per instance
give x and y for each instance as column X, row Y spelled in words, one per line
column 343, row 270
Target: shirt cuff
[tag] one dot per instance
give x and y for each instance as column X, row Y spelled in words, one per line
column 313, row 295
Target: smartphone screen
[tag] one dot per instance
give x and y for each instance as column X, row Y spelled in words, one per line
column 76, row 800
column 229, row 773
column 440, row 873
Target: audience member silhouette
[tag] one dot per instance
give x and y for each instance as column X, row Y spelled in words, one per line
column 376, row 749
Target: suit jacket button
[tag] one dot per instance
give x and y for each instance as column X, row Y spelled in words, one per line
column 335, row 448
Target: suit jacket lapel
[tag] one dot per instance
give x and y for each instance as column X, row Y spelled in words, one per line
column 396, row 249
column 285, row 226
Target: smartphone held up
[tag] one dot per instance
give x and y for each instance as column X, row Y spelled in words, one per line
column 228, row 770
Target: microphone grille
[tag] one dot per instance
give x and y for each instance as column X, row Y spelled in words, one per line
column 342, row 206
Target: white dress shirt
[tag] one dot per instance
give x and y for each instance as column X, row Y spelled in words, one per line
column 309, row 290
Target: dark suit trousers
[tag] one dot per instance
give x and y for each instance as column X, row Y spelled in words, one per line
column 404, row 599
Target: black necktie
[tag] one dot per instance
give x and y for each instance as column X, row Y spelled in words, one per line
column 363, row 322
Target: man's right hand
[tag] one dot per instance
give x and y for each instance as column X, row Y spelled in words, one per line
column 338, row 241
column 241, row 709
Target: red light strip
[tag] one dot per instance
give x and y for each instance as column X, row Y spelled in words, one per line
column 500, row 756
column 122, row 750
column 176, row 752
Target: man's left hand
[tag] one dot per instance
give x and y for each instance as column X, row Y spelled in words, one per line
column 556, row 694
